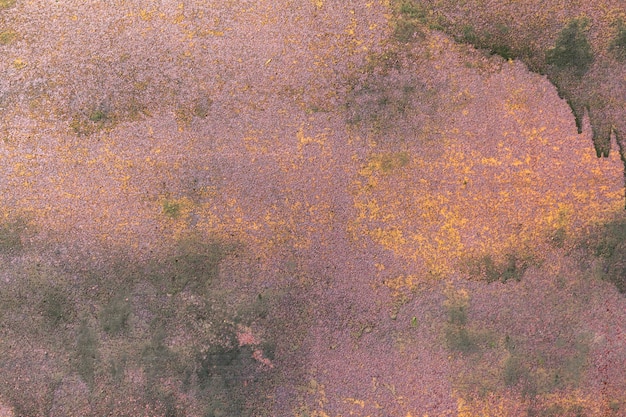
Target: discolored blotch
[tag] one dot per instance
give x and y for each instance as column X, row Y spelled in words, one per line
column 608, row 245
column 11, row 236
column 86, row 351
column 7, row 36
column 572, row 49
column 171, row 209
column 56, row 307
column 114, row 316
column 5, row 4
column 202, row 107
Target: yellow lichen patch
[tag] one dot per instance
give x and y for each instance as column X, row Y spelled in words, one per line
column 389, row 238
column 482, row 408
column 321, row 213
column 502, row 193
column 403, row 283
column 184, row 116
column 455, row 298
column 386, row 163
column 256, row 144
column 19, row 63
column 562, row 403
column 5, row 4
column 354, row 401
column 147, row 15
column 211, row 32
column 304, row 140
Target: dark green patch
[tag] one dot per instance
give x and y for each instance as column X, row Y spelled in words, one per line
column 411, row 10
column 512, row 267
column 458, row 336
column 457, row 315
column 509, row 344
column 460, row 339
column 193, row 265
column 469, row 35
column 377, row 103
column 562, row 371
column 530, row 369
column 313, row 108
column 11, row 236
column 86, row 352
column 165, row 402
column 503, row 50
column 117, row 368
column 156, row 357
column 92, row 121
column 202, row 107
column 515, row 372
column 572, row 50
column 97, row 116
column 406, row 30
column 496, row 42
column 115, row 314
column 559, row 237
column 416, row 14
column 206, row 363
column 220, row 372
column 56, row 307
column 608, row 245
column 410, row 19
column 171, row 209
column 571, row 368
column 7, row 36
column 383, row 62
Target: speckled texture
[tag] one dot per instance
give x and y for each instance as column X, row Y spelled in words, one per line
column 360, row 179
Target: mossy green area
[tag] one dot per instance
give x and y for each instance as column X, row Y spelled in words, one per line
column 378, row 102
column 202, row 107
column 495, row 361
column 92, row 121
column 460, row 336
column 125, row 318
column 86, row 352
column 493, row 41
column 607, row 245
column 7, row 36
column 56, row 307
column 533, row 371
column 11, row 236
column 512, row 267
column 411, row 16
column 618, row 43
column 572, row 49
column 171, row 209
column 115, row 314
